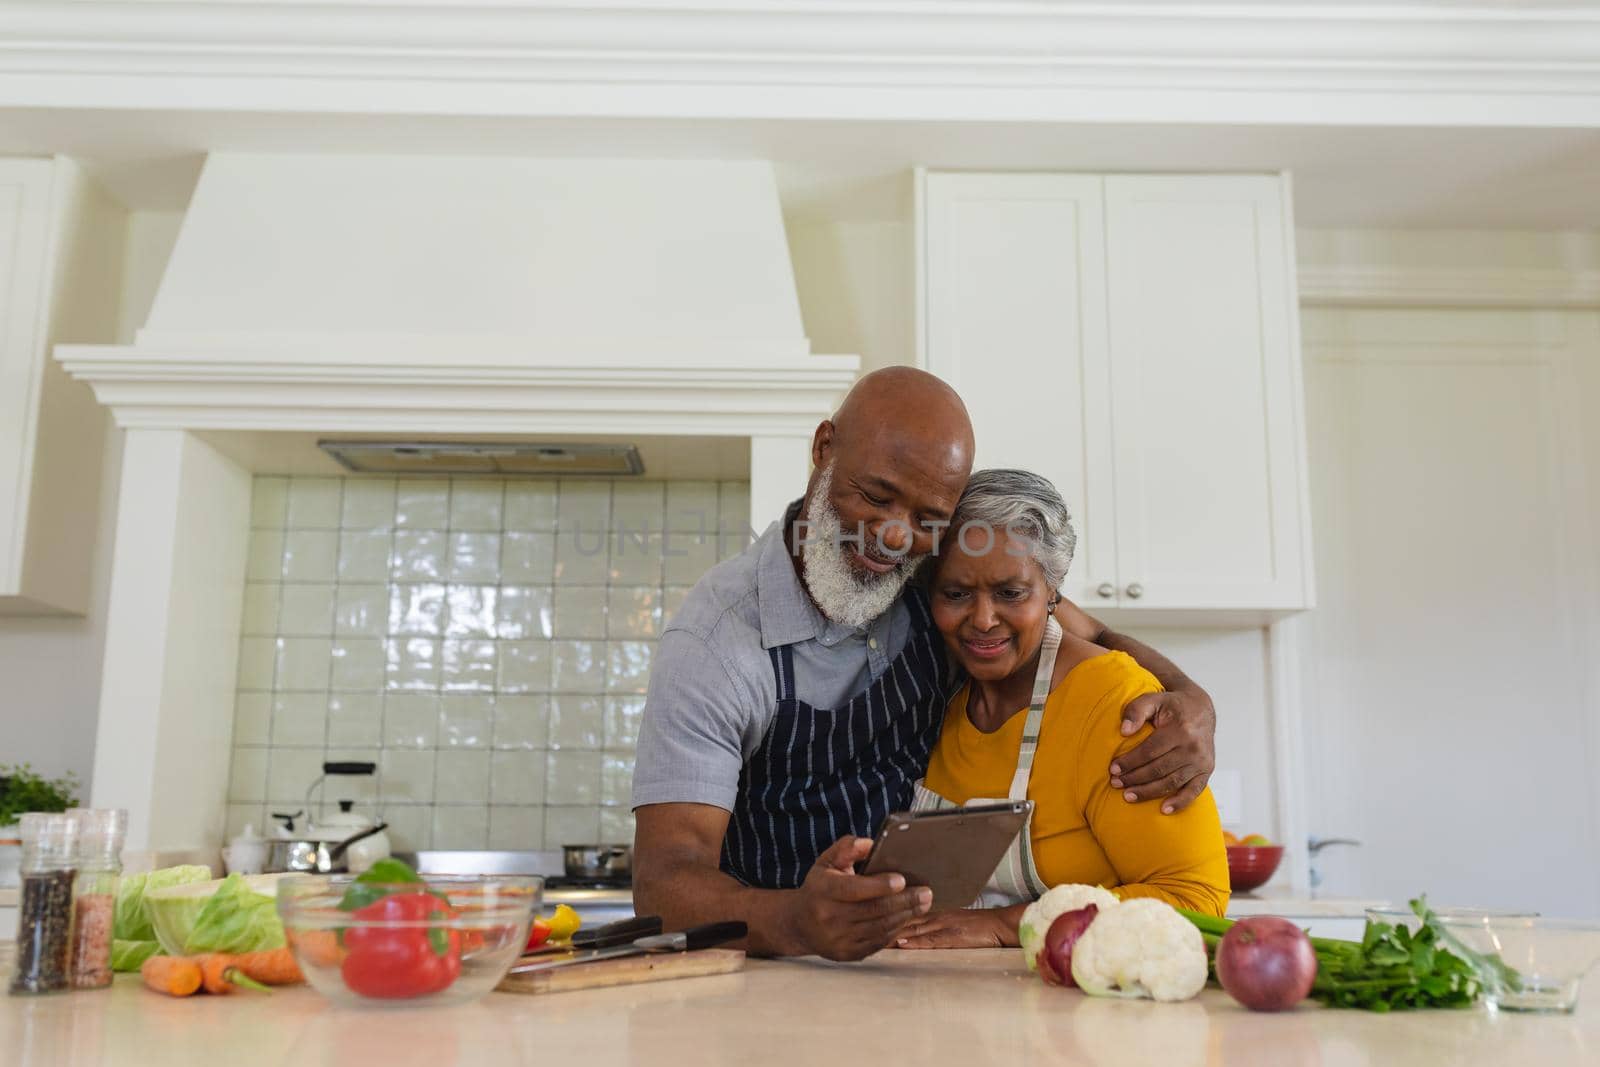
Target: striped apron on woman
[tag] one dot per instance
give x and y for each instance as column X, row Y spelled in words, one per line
column 1017, row 878
column 823, row 773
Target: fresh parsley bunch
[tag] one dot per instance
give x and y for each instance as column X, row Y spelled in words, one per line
column 22, row 791
column 1396, row 969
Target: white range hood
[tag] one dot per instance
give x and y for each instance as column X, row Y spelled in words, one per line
column 388, row 296
column 465, row 260
column 410, row 294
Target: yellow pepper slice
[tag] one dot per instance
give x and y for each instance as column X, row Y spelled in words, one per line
column 564, row 923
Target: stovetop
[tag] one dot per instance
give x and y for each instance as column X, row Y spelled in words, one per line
column 597, row 901
column 561, row 881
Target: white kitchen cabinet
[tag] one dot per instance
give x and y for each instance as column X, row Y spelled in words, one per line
column 1133, row 339
column 61, row 242
column 1016, row 280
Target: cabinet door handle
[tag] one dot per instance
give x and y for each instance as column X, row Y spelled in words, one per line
column 1135, row 590
column 1106, row 590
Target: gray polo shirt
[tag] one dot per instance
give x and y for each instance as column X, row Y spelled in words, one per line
column 712, row 693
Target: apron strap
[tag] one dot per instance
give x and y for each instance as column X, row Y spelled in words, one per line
column 1017, row 875
column 782, row 657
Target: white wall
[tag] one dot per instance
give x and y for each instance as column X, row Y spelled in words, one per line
column 1232, row 665
column 1588, row 400
column 1453, row 700
column 1450, row 722
column 1452, row 250
column 50, row 667
column 151, row 235
column 856, row 288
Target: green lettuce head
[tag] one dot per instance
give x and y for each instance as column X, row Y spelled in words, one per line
column 130, row 955
column 131, row 922
column 235, row 914
column 135, row 936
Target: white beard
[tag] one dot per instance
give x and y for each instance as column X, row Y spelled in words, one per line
column 842, row 593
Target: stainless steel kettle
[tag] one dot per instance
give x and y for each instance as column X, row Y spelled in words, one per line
column 328, row 844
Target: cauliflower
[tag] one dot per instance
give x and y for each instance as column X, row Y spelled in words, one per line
column 1142, row 948
column 1056, row 902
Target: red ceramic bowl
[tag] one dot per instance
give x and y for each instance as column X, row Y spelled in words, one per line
column 1251, row 866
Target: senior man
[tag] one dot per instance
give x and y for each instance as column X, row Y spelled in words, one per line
column 797, row 694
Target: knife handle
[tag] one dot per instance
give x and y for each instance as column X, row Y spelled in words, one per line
column 697, row 937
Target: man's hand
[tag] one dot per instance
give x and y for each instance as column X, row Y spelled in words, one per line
column 841, row 915
column 964, row 928
column 1175, row 761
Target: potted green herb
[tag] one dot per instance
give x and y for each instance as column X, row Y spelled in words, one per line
column 21, row 790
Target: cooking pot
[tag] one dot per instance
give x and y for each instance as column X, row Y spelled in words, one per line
column 598, row 863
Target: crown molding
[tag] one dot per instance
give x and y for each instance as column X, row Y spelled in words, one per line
column 1390, row 286
column 206, row 390
column 1003, row 60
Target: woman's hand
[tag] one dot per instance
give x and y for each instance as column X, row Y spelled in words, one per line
column 966, row 928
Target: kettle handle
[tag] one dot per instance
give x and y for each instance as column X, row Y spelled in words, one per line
column 337, row 851
column 350, row 767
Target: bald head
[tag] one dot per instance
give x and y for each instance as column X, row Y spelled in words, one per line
column 911, row 405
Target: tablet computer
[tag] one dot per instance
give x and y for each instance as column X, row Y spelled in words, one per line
column 954, row 851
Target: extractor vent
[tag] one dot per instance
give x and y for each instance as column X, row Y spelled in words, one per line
column 528, row 458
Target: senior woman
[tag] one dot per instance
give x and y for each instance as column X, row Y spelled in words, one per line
column 1039, row 717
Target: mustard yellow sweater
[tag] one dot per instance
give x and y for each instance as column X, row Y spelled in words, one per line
column 1083, row 831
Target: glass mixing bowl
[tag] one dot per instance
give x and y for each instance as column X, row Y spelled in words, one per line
column 1529, row 963
column 1396, row 915
column 446, row 942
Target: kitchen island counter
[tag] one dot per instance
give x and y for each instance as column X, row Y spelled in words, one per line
column 922, row 1008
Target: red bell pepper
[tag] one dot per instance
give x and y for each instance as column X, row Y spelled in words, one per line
column 398, row 962
column 538, row 934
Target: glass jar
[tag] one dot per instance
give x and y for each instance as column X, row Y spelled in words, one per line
column 94, row 899
column 44, row 909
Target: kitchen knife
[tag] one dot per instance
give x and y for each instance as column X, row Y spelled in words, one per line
column 622, row 932
column 618, row 933
column 696, row 937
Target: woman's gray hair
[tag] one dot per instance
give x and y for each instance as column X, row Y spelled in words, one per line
column 1023, row 505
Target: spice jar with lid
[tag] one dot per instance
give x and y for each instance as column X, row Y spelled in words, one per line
column 94, row 898
column 44, row 909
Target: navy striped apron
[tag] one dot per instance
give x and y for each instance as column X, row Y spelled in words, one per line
column 823, row 773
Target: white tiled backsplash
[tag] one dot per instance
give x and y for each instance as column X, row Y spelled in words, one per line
column 486, row 642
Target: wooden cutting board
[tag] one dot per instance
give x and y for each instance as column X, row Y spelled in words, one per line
column 630, row 970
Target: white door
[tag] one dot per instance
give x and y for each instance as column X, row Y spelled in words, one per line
column 1205, row 393
column 1014, row 303
column 1448, row 722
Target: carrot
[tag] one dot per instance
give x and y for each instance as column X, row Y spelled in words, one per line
column 220, row 973
column 172, row 975
column 274, row 966
column 320, row 947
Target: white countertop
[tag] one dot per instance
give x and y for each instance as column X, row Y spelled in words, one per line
column 1284, row 902
column 927, row 1009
